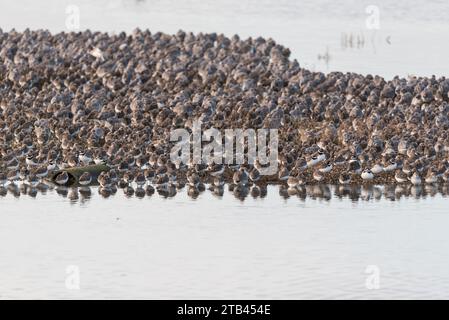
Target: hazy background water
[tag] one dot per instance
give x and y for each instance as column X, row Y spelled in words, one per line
column 411, row 38
column 222, row 247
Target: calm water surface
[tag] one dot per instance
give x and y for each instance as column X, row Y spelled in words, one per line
column 318, row 246
column 410, row 38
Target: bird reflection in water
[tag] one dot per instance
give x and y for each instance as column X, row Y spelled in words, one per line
column 355, row 193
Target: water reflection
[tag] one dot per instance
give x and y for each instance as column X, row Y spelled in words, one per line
column 315, row 192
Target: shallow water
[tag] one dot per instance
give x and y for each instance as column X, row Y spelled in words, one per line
column 315, row 244
column 410, row 38
column 318, row 243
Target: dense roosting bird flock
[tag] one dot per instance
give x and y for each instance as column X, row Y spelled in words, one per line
column 73, row 99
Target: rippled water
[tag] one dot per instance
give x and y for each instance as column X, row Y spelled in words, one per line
column 323, row 242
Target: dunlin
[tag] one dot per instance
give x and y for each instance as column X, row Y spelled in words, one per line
column 85, row 179
column 62, row 178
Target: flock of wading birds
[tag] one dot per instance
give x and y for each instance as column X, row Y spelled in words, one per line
column 73, row 99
